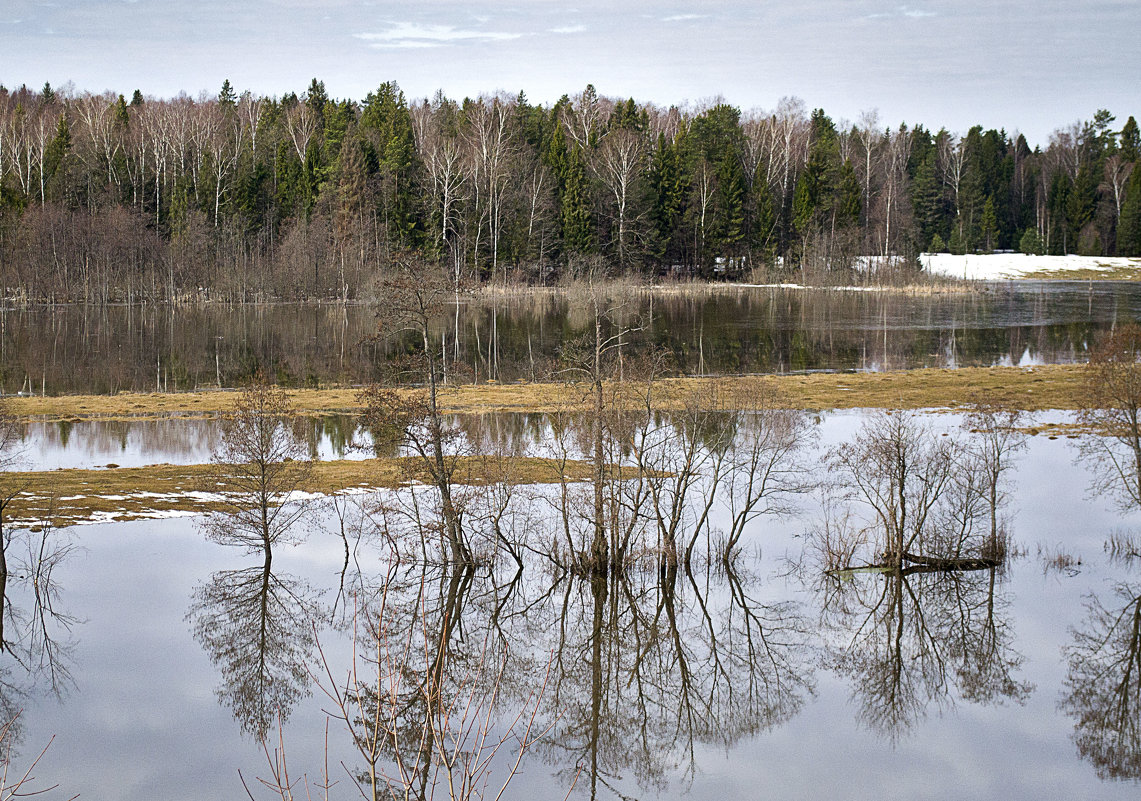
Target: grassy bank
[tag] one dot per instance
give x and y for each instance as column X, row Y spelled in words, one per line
column 67, row 497
column 1047, row 387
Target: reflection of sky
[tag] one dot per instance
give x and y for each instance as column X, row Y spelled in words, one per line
column 143, row 721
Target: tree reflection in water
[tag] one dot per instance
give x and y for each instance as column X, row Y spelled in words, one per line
column 907, row 561
column 619, row 670
column 257, row 627
column 36, row 646
column 1103, row 684
column 649, row 666
column 641, row 668
column 915, row 638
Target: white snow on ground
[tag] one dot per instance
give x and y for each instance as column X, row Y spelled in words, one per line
column 997, row 266
column 805, row 286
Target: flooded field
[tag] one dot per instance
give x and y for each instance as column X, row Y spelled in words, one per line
column 710, row 600
column 703, row 679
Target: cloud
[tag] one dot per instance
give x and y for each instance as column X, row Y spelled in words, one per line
column 411, row 34
column 568, row 29
column 684, row 17
column 903, row 11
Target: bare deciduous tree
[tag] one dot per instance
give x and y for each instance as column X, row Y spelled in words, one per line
column 1112, row 408
column 260, row 465
column 415, row 292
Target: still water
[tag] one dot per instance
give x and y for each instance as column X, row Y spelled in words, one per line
column 71, row 349
column 170, row 654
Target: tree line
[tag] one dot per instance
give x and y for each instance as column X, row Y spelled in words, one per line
column 241, row 197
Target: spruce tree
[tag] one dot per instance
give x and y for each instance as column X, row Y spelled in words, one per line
column 226, row 98
column 575, row 216
column 850, row 198
column 1129, row 226
column 1130, row 141
column 988, row 225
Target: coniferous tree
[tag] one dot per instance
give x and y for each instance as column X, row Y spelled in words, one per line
column 1130, row 140
column 227, row 99
column 1129, row 226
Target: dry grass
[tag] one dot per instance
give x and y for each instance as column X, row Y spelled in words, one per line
column 1058, row 559
column 67, row 497
column 1048, row 387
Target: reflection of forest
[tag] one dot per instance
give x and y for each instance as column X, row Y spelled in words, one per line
column 182, row 440
column 111, row 348
column 1103, row 686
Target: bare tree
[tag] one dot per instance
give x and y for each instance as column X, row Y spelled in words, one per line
column 1112, row 408
column 893, row 202
column 442, row 155
column 251, row 110
column 260, row 464
column 619, row 163
column 990, row 452
column 491, row 144
column 301, row 124
column 103, row 132
column 910, row 499
column 415, row 292
column 11, row 484
column 868, row 134
column 1117, row 172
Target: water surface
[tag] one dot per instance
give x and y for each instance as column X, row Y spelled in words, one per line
column 705, row 684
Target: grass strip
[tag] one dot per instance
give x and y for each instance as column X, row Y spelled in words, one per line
column 68, row 497
column 1031, row 389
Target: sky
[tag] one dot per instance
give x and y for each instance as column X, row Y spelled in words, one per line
column 1031, row 66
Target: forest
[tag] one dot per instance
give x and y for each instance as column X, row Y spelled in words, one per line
column 238, row 197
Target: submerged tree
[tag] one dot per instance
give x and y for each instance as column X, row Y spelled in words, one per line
column 911, row 497
column 259, row 466
column 1112, row 408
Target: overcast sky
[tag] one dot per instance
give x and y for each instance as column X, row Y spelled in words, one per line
column 1026, row 66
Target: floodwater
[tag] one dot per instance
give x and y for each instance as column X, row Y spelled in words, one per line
column 76, row 349
column 152, row 662
column 163, row 657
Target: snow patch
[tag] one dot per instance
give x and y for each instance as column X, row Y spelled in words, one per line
column 999, row 266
